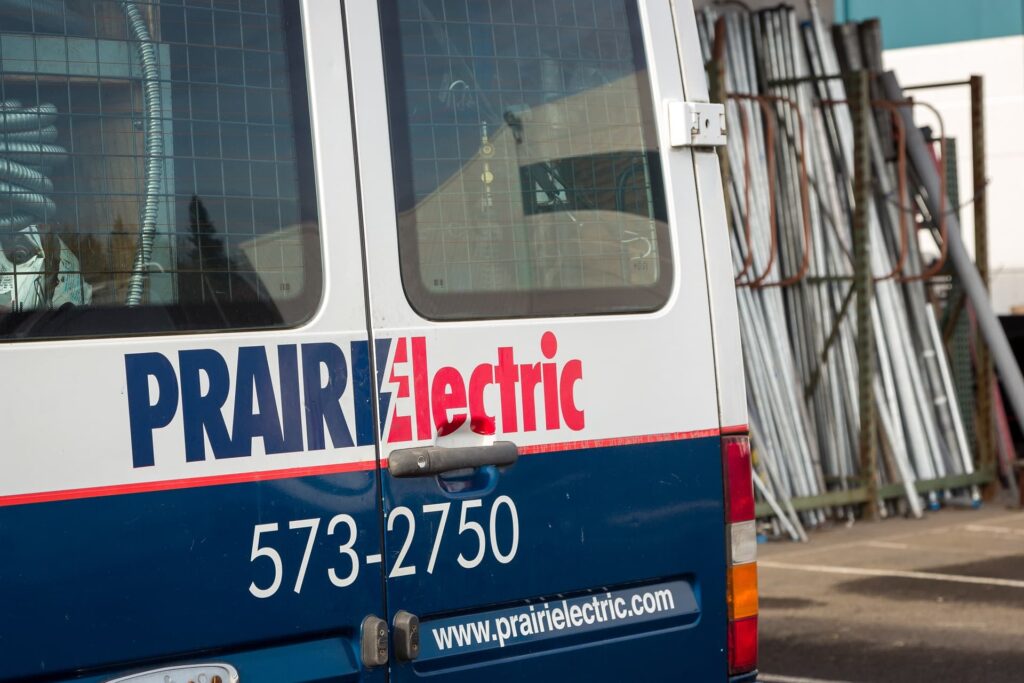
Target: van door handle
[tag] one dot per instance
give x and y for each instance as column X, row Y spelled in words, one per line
column 426, row 461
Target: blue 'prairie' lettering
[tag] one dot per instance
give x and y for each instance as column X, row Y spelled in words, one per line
column 143, row 414
column 253, row 377
column 255, row 413
column 201, row 412
column 323, row 400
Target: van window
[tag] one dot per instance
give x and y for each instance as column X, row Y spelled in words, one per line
column 525, row 156
column 155, row 168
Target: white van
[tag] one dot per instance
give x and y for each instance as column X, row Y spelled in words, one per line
column 367, row 341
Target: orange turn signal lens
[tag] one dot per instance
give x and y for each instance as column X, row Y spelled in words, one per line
column 742, row 591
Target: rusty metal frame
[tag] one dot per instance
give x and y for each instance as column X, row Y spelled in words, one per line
column 766, row 102
column 748, row 260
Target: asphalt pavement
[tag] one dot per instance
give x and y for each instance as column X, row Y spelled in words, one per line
column 938, row 599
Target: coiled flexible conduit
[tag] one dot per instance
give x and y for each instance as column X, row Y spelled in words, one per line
column 154, row 152
column 27, row 155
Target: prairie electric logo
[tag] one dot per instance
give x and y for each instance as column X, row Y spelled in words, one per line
column 299, row 406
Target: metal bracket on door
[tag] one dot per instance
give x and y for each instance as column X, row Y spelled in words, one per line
column 696, row 124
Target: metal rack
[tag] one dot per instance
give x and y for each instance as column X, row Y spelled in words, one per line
column 851, row 394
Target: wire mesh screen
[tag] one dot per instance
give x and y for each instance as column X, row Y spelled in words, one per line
column 151, row 154
column 525, row 145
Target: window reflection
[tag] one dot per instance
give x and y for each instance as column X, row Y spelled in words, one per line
column 155, row 154
column 526, row 152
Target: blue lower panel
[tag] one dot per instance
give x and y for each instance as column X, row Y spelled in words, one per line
column 135, row 581
column 626, row 520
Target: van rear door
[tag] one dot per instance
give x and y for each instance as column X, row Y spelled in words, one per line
column 540, row 315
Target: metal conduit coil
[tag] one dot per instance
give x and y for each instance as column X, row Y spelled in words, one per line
column 27, row 155
column 154, row 152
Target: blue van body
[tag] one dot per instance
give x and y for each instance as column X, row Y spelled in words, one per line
column 109, row 623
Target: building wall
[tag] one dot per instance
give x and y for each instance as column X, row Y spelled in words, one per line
column 908, row 23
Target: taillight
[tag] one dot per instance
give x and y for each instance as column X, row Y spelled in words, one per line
column 742, row 645
column 739, row 482
column 741, row 585
column 743, row 591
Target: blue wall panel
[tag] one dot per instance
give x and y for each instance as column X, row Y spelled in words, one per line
column 907, row 23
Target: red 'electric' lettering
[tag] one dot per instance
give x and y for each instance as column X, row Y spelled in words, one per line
column 443, row 401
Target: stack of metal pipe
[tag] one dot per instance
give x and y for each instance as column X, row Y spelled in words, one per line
column 790, row 194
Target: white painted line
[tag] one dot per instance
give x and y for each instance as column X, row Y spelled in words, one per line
column 373, row 559
column 988, row 528
column 894, row 573
column 912, row 535
column 773, row 678
column 830, row 547
column 887, row 545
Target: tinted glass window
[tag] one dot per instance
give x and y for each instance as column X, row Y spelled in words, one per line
column 155, row 167
column 525, row 156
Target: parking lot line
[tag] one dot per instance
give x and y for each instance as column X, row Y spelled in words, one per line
column 992, row 529
column 887, row 545
column 894, row 573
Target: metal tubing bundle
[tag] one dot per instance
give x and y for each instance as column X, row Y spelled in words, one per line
column 791, row 200
column 27, row 154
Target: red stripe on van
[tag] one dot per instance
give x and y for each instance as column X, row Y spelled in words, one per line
column 194, row 482
column 735, row 429
column 321, row 470
column 619, row 441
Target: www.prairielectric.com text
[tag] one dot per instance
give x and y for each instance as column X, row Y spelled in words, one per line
column 549, row 618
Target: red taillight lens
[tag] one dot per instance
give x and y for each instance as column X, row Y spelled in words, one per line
column 741, row 585
column 742, row 645
column 739, row 485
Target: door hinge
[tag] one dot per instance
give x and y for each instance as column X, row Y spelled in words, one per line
column 696, row 124
column 374, row 642
column 406, row 636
